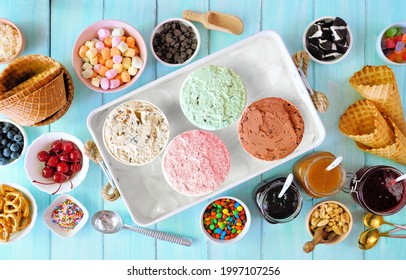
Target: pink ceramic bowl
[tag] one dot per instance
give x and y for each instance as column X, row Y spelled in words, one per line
column 91, row 32
column 21, row 43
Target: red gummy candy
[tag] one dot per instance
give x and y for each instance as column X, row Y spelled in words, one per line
column 404, row 56
column 390, row 44
column 397, row 38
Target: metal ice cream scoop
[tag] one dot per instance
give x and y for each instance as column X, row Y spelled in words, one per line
column 109, row 222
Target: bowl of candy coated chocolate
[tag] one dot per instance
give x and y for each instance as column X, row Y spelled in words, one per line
column 391, row 44
column 225, row 220
column 13, row 142
column 109, row 56
column 175, row 42
column 327, row 40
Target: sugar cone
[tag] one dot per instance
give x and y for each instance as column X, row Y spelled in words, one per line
column 395, row 152
column 378, row 84
column 363, row 122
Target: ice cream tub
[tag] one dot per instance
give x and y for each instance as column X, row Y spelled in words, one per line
column 266, row 69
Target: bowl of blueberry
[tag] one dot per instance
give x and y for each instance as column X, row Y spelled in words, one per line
column 13, row 142
column 55, row 162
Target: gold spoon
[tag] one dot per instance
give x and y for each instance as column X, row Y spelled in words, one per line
column 375, row 221
column 369, row 238
column 216, row 21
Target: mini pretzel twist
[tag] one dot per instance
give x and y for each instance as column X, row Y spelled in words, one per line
column 15, row 212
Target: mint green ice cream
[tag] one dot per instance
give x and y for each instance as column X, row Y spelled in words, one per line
column 213, row 97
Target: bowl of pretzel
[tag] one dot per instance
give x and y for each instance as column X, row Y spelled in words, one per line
column 18, row 212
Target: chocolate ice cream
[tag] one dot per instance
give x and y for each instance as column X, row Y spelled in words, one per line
column 271, row 128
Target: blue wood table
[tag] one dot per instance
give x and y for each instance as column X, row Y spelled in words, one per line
column 51, row 28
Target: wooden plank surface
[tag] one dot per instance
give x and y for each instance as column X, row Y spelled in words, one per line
column 51, row 28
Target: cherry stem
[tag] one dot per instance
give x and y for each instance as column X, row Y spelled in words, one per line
column 42, row 183
column 57, row 189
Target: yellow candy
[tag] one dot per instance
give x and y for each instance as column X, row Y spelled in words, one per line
column 126, row 62
column 94, row 60
column 239, row 208
column 87, row 74
column 92, row 52
column 89, row 44
column 132, row 71
column 118, row 67
column 225, row 211
column 96, row 82
column 129, row 52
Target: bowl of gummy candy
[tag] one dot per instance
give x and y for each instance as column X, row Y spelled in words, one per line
column 55, row 162
column 13, row 142
column 391, row 44
column 225, row 220
column 109, row 56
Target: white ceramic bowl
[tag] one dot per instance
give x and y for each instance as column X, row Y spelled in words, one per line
column 337, row 238
column 240, row 235
column 25, row 139
column 159, row 27
column 379, row 39
column 34, row 212
column 33, row 167
column 340, row 58
column 47, row 217
column 20, row 46
column 91, row 32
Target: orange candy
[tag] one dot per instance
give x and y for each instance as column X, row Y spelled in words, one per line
column 108, row 42
column 130, row 41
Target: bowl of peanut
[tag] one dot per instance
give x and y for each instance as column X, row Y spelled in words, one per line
column 334, row 217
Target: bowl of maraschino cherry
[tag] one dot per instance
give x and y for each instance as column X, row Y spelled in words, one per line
column 55, row 162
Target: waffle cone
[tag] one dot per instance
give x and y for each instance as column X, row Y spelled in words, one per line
column 32, row 88
column 395, row 151
column 363, row 123
column 378, row 84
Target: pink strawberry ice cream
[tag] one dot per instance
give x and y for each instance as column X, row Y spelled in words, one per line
column 196, row 162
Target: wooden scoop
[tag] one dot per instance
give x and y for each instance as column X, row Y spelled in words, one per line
column 216, row 21
column 319, row 236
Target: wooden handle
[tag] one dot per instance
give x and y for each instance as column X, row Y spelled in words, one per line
column 193, row 16
column 317, row 237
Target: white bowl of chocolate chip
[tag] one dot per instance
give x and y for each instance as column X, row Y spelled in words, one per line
column 328, row 40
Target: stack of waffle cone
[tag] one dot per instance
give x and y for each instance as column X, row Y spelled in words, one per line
column 378, row 84
column 32, row 88
column 363, row 123
column 376, row 124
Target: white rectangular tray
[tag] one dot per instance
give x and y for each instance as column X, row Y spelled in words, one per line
column 266, row 69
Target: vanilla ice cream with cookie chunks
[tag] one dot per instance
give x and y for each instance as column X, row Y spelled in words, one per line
column 136, row 132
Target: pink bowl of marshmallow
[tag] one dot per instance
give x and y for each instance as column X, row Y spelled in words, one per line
column 109, row 56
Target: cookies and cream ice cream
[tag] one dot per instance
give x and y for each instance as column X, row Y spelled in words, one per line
column 271, row 128
column 135, row 132
column 196, row 162
column 213, row 97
